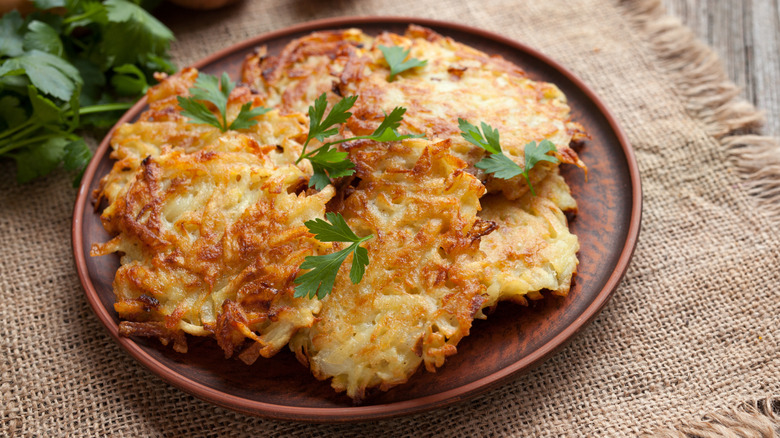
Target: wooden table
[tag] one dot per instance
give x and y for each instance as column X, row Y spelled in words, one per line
column 746, row 35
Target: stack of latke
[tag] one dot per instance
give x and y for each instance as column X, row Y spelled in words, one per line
column 211, row 224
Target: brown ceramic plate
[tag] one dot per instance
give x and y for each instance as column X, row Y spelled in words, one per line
column 512, row 340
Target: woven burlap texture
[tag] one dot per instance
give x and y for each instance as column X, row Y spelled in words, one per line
column 691, row 331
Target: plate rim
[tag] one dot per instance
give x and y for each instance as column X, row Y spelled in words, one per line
column 379, row 411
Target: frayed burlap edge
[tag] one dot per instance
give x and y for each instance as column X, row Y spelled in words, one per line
column 760, row 419
column 711, row 97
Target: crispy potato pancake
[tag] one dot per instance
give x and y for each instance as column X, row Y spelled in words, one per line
column 531, row 249
column 457, row 82
column 421, row 290
column 162, row 126
column 210, row 228
column 210, row 224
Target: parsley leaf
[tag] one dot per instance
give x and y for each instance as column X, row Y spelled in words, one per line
column 10, row 112
column 217, row 91
column 396, row 59
column 50, row 74
column 387, row 129
column 332, row 161
column 129, row 80
column 499, row 164
column 322, row 129
column 245, row 118
column 132, row 34
column 42, row 37
column 61, row 71
column 40, row 159
column 329, row 163
column 535, row 153
column 324, row 268
column 10, row 41
column 472, row 135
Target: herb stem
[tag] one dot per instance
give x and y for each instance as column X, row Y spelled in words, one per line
column 328, row 145
column 12, row 131
column 103, row 108
column 303, row 151
column 21, row 134
column 13, row 146
column 344, row 140
column 80, row 17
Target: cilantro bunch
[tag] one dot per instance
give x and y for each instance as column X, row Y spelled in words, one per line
column 65, row 71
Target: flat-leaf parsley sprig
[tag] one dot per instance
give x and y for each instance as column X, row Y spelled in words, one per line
column 330, row 163
column 324, row 268
column 396, row 59
column 499, row 164
column 63, row 69
column 217, row 91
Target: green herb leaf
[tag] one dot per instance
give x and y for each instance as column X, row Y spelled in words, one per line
column 396, row 59
column 324, row 268
column 535, row 153
column 122, row 11
column 41, row 36
column 391, row 121
column 387, row 129
column 335, row 231
column 217, row 91
column 198, row 112
column 359, row 263
column 245, row 117
column 39, row 159
column 499, row 164
column 44, row 110
column 11, row 112
column 52, row 75
column 53, row 78
column 48, row 4
column 319, row 178
column 326, row 161
column 322, row 129
column 11, row 42
column 471, row 133
column 327, row 164
column 129, row 80
column 77, row 156
column 85, row 14
column 131, row 34
column 319, row 280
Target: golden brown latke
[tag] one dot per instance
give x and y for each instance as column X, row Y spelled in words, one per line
column 211, row 230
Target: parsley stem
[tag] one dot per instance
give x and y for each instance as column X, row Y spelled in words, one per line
column 314, row 152
column 12, row 146
column 344, row 140
column 103, row 108
column 329, row 144
column 81, row 17
column 12, row 131
column 303, row 151
column 23, row 133
column 528, row 180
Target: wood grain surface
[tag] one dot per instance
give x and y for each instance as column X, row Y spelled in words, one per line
column 746, row 35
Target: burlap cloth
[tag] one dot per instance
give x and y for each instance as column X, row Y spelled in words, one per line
column 692, row 333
